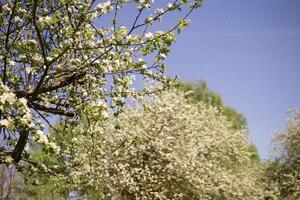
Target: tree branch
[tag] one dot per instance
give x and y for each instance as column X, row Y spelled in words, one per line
column 51, row 110
column 41, row 41
column 8, row 32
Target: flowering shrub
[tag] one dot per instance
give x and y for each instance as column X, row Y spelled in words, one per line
column 65, row 57
column 284, row 171
column 165, row 149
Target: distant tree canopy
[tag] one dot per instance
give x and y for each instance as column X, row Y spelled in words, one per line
column 201, row 92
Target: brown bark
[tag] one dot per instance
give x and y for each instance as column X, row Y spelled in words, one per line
column 18, row 151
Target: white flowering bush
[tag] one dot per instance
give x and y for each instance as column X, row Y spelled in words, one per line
column 165, row 148
column 284, row 171
column 62, row 58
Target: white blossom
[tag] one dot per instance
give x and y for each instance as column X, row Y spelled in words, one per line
column 149, row 36
column 4, row 122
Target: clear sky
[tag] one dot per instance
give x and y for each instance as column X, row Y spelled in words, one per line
column 249, row 52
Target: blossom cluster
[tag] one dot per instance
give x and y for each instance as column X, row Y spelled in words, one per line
column 15, row 117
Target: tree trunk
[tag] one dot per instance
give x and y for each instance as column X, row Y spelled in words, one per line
column 17, row 153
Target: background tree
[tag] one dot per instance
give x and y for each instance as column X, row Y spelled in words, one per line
column 63, row 57
column 6, row 182
column 11, row 184
column 16, row 185
column 200, row 92
column 44, row 186
column 284, row 170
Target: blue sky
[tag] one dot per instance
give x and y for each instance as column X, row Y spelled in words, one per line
column 249, row 52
